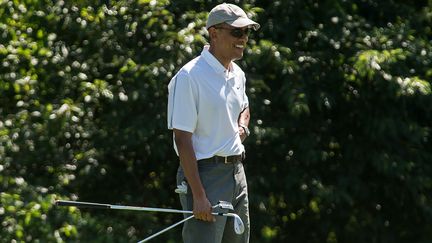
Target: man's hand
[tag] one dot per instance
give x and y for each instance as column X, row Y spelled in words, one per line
column 242, row 133
column 202, row 210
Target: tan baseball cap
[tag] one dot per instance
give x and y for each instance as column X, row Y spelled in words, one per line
column 230, row 14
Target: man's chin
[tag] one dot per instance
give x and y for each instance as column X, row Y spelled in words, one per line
column 238, row 57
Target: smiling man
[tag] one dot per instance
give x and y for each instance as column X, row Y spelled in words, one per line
column 208, row 111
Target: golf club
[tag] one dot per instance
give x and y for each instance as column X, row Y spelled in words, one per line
column 220, row 204
column 238, row 223
column 238, row 227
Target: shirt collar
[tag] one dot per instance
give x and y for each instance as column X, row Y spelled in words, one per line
column 213, row 62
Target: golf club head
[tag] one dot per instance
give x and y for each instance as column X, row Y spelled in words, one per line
column 224, row 205
column 238, row 224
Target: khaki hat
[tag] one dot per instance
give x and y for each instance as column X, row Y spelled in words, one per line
column 230, row 14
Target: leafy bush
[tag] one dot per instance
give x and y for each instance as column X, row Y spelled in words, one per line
column 340, row 97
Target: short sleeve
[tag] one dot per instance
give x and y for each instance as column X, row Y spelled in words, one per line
column 245, row 103
column 182, row 109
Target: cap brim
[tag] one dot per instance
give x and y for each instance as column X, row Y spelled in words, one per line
column 243, row 22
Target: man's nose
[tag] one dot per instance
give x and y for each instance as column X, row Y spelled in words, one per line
column 244, row 37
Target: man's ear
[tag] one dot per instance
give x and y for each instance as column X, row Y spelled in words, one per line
column 212, row 33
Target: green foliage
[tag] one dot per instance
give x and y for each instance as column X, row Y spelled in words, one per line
column 341, row 103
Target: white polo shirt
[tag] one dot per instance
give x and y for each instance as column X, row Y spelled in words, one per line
column 206, row 99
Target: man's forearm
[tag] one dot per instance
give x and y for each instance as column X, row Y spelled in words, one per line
column 244, row 117
column 201, row 204
column 243, row 120
column 189, row 163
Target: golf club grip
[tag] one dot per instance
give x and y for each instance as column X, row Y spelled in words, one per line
column 82, row 204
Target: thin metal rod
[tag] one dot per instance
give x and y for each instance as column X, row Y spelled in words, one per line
column 163, row 210
column 122, row 207
column 118, row 207
column 82, row 204
column 166, row 229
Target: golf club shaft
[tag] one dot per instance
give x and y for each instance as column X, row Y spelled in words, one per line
column 121, row 207
column 110, row 206
column 82, row 204
column 166, row 229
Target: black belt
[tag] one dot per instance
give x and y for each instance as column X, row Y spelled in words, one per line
column 225, row 160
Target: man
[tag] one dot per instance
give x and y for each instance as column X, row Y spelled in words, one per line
column 208, row 111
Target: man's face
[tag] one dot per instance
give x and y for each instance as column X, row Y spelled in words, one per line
column 230, row 41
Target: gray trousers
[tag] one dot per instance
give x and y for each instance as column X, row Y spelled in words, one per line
column 222, row 182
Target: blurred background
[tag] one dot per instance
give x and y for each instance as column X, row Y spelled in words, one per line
column 341, row 104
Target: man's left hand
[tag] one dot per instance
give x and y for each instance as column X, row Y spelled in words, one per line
column 242, row 133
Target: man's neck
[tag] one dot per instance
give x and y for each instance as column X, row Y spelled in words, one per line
column 224, row 61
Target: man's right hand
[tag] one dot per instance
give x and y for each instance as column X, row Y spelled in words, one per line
column 202, row 209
